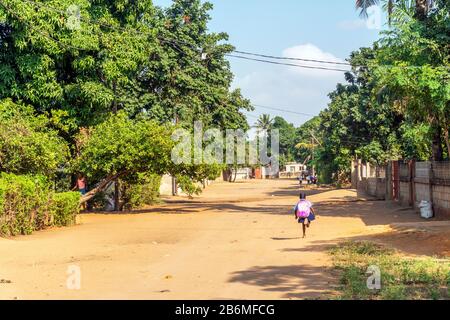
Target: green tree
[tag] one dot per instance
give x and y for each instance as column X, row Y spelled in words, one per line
column 413, row 75
column 27, row 143
column 264, row 123
column 287, row 134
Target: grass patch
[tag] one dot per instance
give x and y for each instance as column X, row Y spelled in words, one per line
column 402, row 278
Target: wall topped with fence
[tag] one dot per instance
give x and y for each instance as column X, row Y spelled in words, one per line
column 406, row 182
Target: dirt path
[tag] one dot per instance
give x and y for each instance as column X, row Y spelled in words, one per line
column 237, row 241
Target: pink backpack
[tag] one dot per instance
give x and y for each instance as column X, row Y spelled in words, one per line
column 303, row 209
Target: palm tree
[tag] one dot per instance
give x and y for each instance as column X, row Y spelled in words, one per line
column 264, row 123
column 420, row 7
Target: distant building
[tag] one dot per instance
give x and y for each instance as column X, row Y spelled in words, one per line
column 295, row 168
column 292, row 170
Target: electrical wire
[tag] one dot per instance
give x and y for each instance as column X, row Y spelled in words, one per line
column 284, row 110
column 291, row 59
column 287, row 64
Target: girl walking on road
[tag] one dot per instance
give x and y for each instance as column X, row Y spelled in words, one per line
column 304, row 213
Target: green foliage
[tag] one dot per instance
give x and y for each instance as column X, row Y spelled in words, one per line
column 125, row 147
column 396, row 101
column 287, row 133
column 129, row 58
column 143, row 191
column 125, row 55
column 64, row 208
column 415, row 141
column 27, row 145
column 264, row 122
column 401, row 277
column 27, row 204
column 188, row 186
column 413, row 75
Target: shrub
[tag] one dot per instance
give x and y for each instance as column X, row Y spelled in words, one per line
column 64, row 208
column 188, row 186
column 27, row 145
column 23, row 204
column 28, row 204
column 144, row 191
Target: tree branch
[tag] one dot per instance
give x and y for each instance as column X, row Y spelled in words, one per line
column 102, row 185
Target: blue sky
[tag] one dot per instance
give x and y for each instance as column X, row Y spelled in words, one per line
column 327, row 30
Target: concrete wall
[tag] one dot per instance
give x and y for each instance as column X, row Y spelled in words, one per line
column 422, row 192
column 369, row 179
column 166, row 186
column 441, row 201
column 417, row 182
column 405, row 193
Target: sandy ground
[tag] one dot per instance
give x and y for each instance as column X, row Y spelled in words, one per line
column 236, row 241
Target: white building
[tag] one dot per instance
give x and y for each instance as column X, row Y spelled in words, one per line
column 295, row 168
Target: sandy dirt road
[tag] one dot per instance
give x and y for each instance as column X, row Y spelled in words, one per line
column 236, row 241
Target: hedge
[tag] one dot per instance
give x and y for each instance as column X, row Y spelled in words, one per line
column 144, row 191
column 27, row 203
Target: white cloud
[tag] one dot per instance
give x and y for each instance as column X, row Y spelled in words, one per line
column 291, row 88
column 311, row 52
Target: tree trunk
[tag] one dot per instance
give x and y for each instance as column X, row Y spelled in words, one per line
column 438, row 152
column 447, row 142
column 116, row 195
column 421, row 9
column 88, row 196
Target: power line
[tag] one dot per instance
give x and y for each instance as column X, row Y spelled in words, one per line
column 284, row 110
column 287, row 64
column 292, row 59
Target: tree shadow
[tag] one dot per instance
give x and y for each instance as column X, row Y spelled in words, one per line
column 294, row 282
column 294, row 191
column 416, row 242
column 372, row 213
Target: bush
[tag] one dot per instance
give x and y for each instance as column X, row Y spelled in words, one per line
column 27, row 145
column 64, row 208
column 28, row 204
column 144, row 191
column 188, row 186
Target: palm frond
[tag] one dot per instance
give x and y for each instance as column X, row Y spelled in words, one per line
column 363, row 5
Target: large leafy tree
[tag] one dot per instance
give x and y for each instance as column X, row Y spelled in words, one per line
column 355, row 124
column 413, row 74
column 27, row 143
column 125, row 55
column 287, row 134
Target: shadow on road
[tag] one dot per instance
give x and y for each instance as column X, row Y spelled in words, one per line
column 294, row 191
column 295, row 281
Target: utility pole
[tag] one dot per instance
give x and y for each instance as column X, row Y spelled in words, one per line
column 174, row 180
column 312, row 156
